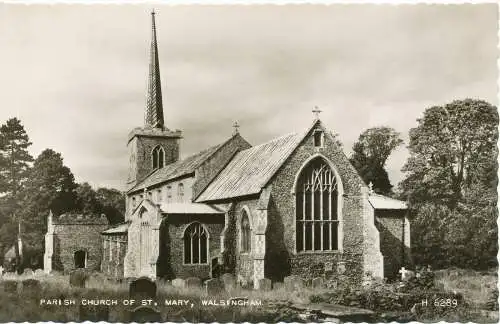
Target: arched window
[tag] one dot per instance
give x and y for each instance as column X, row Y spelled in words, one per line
column 158, row 157
column 246, row 238
column 316, row 200
column 195, row 244
column 180, row 192
column 158, row 196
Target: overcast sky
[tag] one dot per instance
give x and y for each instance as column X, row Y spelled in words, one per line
column 76, row 75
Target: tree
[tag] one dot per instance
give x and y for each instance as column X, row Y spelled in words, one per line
column 453, row 147
column 451, row 180
column 110, row 202
column 370, row 154
column 50, row 186
column 14, row 167
column 113, row 204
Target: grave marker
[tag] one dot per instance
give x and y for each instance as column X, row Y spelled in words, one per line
column 142, row 288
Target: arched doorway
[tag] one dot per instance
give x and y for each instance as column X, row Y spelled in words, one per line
column 80, row 259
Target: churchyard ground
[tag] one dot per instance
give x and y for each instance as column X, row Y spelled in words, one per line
column 475, row 291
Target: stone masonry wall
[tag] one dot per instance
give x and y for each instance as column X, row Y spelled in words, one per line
column 176, row 226
column 112, row 263
column 70, row 238
column 140, row 148
column 282, row 219
column 390, row 224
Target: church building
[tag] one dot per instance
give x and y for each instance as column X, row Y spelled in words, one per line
column 291, row 206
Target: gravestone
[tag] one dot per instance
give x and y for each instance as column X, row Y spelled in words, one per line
column 328, row 266
column 39, row 273
column 317, row 283
column 277, row 285
column 77, row 278
column 193, row 282
column 293, row 283
column 93, row 313
column 31, row 286
column 214, row 286
column 10, row 286
column 142, row 288
column 28, row 272
column 143, row 314
column 229, row 281
column 265, row 284
column 179, row 283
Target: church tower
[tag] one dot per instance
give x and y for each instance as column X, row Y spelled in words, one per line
column 154, row 145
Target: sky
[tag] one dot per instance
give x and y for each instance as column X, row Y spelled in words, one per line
column 76, row 75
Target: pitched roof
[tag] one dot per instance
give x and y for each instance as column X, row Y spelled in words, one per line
column 250, row 170
column 119, row 229
column 177, row 169
column 189, row 208
column 382, row 202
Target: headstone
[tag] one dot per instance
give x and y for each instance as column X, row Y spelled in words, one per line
column 229, row 281
column 39, row 273
column 31, row 286
column 145, row 314
column 242, row 281
column 317, row 283
column 277, row 285
column 28, row 272
column 10, row 286
column 328, row 266
column 265, row 284
column 93, row 313
column 179, row 283
column 293, row 283
column 77, row 278
column 214, row 286
column 142, row 288
column 193, row 282
column 406, row 274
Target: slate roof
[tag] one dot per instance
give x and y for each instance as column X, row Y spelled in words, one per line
column 382, row 202
column 122, row 228
column 177, row 169
column 189, row 208
column 251, row 169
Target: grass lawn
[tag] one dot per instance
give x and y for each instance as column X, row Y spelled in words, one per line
column 475, row 287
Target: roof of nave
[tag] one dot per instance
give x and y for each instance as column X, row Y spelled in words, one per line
column 383, row 202
column 250, row 170
column 118, row 229
column 177, row 169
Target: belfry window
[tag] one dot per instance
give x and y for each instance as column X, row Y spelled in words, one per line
column 246, row 243
column 318, row 138
column 195, row 244
column 158, row 157
column 316, row 200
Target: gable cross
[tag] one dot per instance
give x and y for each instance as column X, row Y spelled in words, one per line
column 236, row 126
column 316, row 111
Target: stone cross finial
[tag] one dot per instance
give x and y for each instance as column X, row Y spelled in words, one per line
column 404, row 273
column 370, row 186
column 316, row 111
column 236, row 126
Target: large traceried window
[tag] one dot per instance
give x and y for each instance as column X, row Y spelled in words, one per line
column 158, row 157
column 195, row 244
column 316, row 200
column 246, row 237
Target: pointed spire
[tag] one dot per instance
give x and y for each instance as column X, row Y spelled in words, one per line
column 154, row 106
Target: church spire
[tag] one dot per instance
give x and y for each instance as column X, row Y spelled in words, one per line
column 154, row 106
